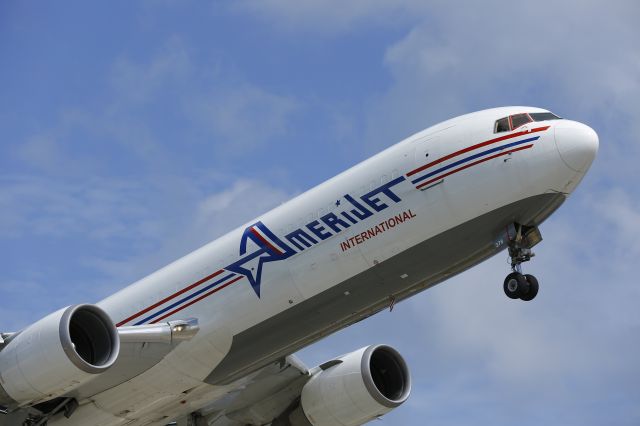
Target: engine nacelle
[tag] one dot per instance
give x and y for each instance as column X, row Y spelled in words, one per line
column 57, row 354
column 357, row 388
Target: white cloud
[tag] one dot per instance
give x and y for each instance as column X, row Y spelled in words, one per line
column 204, row 212
column 141, row 82
column 241, row 117
column 214, row 100
column 96, row 208
column 239, row 202
column 329, row 17
column 619, row 214
column 41, row 151
column 221, row 115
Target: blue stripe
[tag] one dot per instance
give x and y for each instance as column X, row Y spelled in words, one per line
column 179, row 302
column 473, row 157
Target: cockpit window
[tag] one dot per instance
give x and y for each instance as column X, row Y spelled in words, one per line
column 502, row 125
column 514, row 121
column 519, row 119
column 544, row 116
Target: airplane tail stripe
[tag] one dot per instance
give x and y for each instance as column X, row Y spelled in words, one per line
column 197, row 299
column 184, row 299
column 473, row 157
column 422, row 185
column 166, row 299
column 476, row 146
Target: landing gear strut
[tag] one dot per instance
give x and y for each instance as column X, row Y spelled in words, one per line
column 520, row 240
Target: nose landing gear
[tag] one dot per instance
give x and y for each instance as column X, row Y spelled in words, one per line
column 520, row 240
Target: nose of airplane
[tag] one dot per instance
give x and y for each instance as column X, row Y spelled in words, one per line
column 577, row 144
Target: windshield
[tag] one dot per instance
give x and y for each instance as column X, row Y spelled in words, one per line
column 543, row 116
column 519, row 119
column 502, row 125
column 512, row 122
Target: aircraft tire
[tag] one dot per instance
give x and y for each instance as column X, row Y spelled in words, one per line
column 515, row 285
column 533, row 288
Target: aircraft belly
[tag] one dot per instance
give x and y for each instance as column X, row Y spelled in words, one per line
column 425, row 264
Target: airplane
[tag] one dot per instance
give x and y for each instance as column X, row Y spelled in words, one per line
column 210, row 339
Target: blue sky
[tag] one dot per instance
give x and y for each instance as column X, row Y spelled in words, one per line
column 133, row 132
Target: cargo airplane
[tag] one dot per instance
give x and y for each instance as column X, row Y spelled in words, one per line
column 210, row 338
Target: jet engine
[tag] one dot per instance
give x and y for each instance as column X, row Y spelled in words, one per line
column 56, row 355
column 354, row 389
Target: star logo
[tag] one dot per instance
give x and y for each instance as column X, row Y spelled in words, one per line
column 258, row 246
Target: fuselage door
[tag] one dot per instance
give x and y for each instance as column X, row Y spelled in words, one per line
column 427, row 150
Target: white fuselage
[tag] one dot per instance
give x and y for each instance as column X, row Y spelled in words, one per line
column 429, row 183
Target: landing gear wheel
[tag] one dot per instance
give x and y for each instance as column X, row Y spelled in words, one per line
column 533, row 288
column 516, row 285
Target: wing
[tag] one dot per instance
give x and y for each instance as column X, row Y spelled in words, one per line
column 266, row 395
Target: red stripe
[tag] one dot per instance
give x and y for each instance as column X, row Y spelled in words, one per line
column 197, row 299
column 166, row 299
column 480, row 145
column 254, row 232
column 422, row 185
